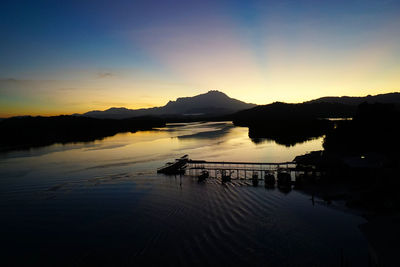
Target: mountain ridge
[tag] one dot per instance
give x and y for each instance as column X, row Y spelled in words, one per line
column 211, row 103
column 218, row 103
column 386, row 98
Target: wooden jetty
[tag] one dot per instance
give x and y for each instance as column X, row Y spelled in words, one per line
column 228, row 169
column 285, row 174
column 238, row 170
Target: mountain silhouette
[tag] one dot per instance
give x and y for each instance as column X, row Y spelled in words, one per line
column 292, row 123
column 209, row 104
column 390, row 98
column 325, row 107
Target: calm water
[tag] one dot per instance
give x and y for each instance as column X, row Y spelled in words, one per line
column 103, row 203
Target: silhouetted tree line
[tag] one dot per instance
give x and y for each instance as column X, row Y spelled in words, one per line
column 374, row 128
column 290, row 132
column 283, row 111
column 373, row 132
column 289, row 124
column 25, row 132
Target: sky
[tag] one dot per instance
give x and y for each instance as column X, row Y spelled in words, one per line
column 64, row 57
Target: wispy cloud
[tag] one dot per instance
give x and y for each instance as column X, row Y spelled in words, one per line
column 102, row 75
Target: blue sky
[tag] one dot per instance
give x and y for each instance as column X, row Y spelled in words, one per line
column 73, row 56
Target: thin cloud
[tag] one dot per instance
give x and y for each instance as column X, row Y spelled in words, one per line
column 105, row 75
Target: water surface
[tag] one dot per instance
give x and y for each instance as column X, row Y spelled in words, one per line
column 103, row 203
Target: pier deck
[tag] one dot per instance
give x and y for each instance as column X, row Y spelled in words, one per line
column 234, row 169
column 240, row 170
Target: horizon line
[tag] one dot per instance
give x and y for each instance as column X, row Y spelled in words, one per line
column 123, row 107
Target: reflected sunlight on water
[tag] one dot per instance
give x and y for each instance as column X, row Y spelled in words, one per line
column 103, row 203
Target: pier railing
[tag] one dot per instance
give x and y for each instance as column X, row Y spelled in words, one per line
column 238, row 169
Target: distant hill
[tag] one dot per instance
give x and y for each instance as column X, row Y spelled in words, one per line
column 288, row 124
column 325, row 107
column 292, row 123
column 279, row 111
column 208, row 104
column 353, row 100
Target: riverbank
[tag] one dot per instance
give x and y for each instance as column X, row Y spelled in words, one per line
column 26, row 132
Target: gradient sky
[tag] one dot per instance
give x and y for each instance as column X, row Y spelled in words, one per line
column 62, row 57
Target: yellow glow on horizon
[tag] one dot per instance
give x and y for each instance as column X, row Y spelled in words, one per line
column 206, row 60
column 279, row 55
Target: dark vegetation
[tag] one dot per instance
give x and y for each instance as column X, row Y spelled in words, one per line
column 25, row 132
column 374, row 135
column 290, row 133
column 20, row 133
column 289, row 124
column 352, row 100
column 374, row 128
column 285, row 111
column 286, row 124
column 363, row 155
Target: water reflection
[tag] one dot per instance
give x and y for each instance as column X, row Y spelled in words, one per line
column 103, row 204
column 284, row 142
column 211, row 133
column 174, row 221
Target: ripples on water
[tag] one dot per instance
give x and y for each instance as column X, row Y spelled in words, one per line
column 102, row 204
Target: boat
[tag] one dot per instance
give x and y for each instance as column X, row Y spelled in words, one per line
column 254, row 178
column 226, row 176
column 203, row 176
column 284, row 179
column 269, row 179
column 177, row 167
